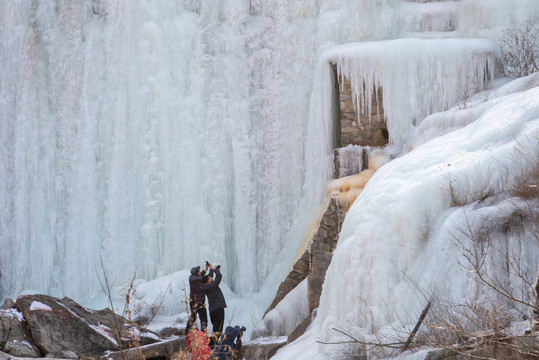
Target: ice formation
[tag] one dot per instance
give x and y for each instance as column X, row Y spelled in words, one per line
column 348, row 188
column 434, row 198
column 418, row 77
column 156, row 135
column 293, row 308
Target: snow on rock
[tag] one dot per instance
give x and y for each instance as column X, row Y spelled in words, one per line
column 36, row 305
column 14, row 314
column 105, row 331
column 165, row 295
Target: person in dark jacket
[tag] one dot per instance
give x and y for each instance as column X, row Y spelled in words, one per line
column 216, row 300
column 197, row 299
column 229, row 345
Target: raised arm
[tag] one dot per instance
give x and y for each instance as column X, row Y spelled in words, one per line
column 218, row 276
column 215, row 282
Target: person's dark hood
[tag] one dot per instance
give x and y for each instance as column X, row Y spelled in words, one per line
column 195, row 270
column 232, row 332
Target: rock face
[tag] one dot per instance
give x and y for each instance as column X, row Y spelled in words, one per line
column 48, row 319
column 40, row 325
column 261, row 350
column 14, row 336
column 360, row 127
column 299, row 272
column 316, row 259
column 312, row 265
column 323, row 244
column 168, row 349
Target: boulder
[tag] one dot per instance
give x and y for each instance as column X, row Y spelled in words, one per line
column 263, row 348
column 161, row 350
column 8, row 304
column 110, row 320
column 15, row 339
column 441, row 354
column 67, row 354
column 56, row 327
column 61, row 325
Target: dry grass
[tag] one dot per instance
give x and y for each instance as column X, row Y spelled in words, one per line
column 528, row 186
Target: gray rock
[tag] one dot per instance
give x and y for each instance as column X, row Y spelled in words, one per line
column 262, row 348
column 66, row 354
column 441, row 354
column 15, row 339
column 300, row 329
column 56, row 327
column 59, row 325
column 8, row 304
column 161, row 350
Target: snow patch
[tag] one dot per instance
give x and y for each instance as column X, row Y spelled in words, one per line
column 37, row 305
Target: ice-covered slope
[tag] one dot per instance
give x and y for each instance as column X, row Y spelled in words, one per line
column 402, row 240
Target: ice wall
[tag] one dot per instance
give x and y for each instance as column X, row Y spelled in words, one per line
column 159, row 134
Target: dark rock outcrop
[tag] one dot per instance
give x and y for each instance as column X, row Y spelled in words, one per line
column 8, row 304
column 261, row 350
column 49, row 318
column 14, row 335
column 67, row 354
column 299, row 272
column 161, row 350
column 41, row 325
column 358, row 126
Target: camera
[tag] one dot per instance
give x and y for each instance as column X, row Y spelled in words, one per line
column 218, row 266
column 207, row 263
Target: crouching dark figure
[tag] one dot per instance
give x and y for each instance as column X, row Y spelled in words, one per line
column 229, row 345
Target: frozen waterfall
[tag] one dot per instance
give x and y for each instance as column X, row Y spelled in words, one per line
column 158, row 134
column 155, row 135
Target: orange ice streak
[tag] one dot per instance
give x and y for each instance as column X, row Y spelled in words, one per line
column 348, row 188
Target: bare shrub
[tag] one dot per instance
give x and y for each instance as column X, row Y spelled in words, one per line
column 485, row 328
column 128, row 336
column 519, row 50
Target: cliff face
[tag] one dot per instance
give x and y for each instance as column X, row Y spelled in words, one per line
column 365, row 127
column 312, row 265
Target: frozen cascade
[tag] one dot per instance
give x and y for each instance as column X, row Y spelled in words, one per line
column 158, row 134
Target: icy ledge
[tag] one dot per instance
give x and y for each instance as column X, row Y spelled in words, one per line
column 418, row 77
